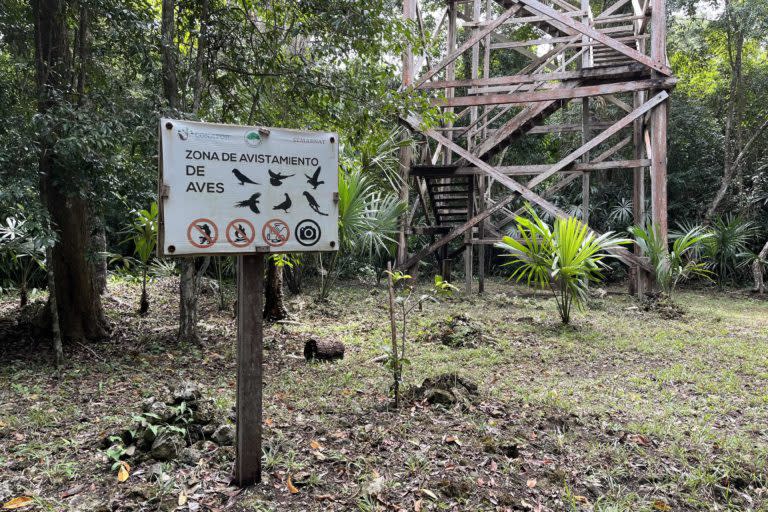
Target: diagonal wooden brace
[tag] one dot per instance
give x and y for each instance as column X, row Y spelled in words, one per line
column 588, row 31
column 525, row 191
column 472, row 41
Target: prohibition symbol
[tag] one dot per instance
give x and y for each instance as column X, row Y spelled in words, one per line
column 307, row 232
column 275, row 232
column 240, row 233
column 202, row 233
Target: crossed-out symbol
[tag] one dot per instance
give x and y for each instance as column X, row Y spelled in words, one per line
column 240, row 233
column 202, row 233
column 275, row 232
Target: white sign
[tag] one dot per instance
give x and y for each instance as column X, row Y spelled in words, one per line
column 228, row 189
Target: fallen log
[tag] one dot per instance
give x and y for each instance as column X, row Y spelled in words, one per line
column 323, row 350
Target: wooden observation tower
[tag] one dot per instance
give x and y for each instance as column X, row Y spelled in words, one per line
column 601, row 75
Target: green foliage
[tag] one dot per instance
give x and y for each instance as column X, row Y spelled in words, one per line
column 23, row 244
column 403, row 300
column 675, row 265
column 368, row 221
column 728, row 246
column 564, row 258
column 143, row 233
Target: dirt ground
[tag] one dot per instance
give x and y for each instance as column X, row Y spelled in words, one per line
column 624, row 410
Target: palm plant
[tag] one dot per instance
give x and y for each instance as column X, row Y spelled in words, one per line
column 563, row 258
column 23, row 245
column 728, row 247
column 143, row 234
column 675, row 265
column 368, row 222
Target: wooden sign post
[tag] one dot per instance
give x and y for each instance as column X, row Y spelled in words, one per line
column 250, row 333
column 247, row 191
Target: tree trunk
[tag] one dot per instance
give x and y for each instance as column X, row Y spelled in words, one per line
column 79, row 305
column 58, row 349
column 169, row 51
column 274, row 308
column 733, row 118
column 192, row 271
column 757, row 270
column 98, row 246
column 293, row 278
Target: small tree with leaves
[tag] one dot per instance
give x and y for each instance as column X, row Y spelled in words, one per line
column 402, row 302
column 143, row 233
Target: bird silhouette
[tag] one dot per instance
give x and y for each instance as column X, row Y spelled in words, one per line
column 207, row 238
column 313, row 203
column 312, row 180
column 252, row 203
column 284, row 205
column 276, row 179
column 242, row 178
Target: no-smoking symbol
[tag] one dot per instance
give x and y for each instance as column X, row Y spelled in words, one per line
column 240, row 233
column 202, row 233
column 275, row 232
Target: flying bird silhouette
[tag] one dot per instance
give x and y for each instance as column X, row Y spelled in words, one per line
column 252, row 203
column 313, row 203
column 242, row 178
column 207, row 238
column 284, row 205
column 312, row 180
column 276, row 179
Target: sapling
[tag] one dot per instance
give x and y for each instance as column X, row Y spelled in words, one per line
column 402, row 304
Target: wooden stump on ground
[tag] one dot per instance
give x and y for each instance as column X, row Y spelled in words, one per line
column 323, row 350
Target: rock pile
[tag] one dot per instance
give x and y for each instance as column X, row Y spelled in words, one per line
column 457, row 331
column 448, row 389
column 183, row 428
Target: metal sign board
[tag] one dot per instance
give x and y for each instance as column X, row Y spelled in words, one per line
column 228, row 189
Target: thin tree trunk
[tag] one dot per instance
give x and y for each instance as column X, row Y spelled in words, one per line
column 98, row 246
column 202, row 41
column 169, row 51
column 274, row 307
column 192, row 271
column 393, row 328
column 733, row 121
column 757, row 269
column 58, row 349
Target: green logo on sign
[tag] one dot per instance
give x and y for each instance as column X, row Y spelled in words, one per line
column 253, row 138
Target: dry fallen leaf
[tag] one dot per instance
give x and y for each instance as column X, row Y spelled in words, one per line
column 661, row 505
column 269, row 422
column 315, row 445
column 452, row 439
column 531, row 483
column 429, row 494
column 124, row 472
column 182, row 498
column 290, row 486
column 20, row 502
column 417, row 506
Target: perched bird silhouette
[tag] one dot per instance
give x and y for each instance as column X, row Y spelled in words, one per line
column 284, row 205
column 312, row 180
column 313, row 204
column 276, row 179
column 252, row 203
column 242, row 178
column 207, row 238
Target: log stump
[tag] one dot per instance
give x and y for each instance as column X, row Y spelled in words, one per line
column 323, row 350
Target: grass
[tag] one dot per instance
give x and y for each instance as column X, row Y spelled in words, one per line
column 621, row 411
